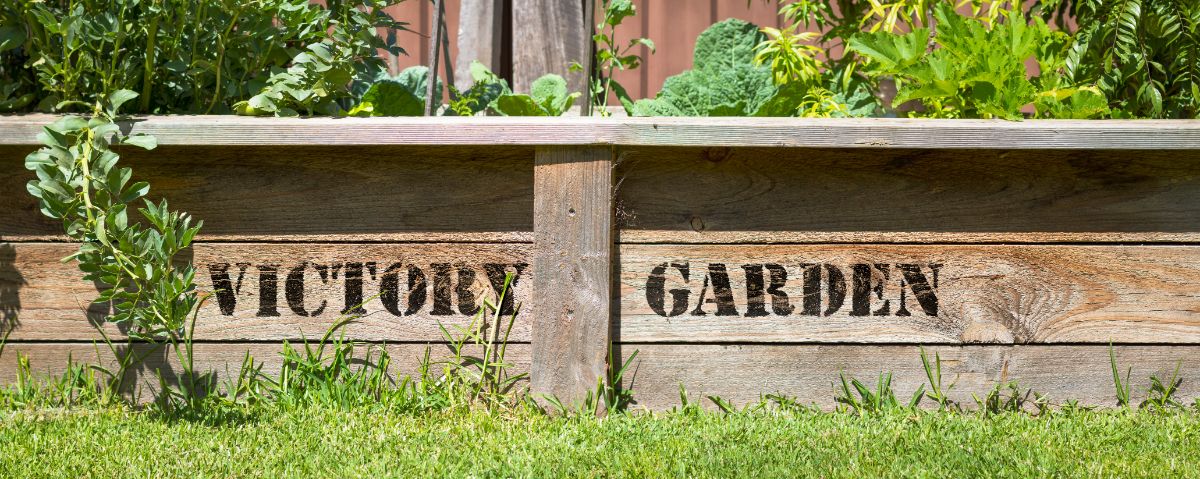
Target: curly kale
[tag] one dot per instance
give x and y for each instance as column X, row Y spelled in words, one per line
column 723, row 81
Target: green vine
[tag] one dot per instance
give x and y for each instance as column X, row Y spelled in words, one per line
column 80, row 184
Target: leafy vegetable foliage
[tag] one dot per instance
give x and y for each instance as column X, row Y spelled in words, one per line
column 403, row 95
column 486, row 87
column 723, row 81
column 612, row 56
column 1143, row 54
column 201, row 56
column 548, row 96
column 730, row 77
column 80, row 184
column 978, row 69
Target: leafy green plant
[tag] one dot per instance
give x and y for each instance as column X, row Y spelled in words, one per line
column 313, row 83
column 790, row 55
column 1161, row 395
column 478, row 368
column 80, row 184
column 1007, row 398
column 611, row 56
column 1144, row 55
column 403, row 95
column 610, row 396
column 548, row 96
column 723, row 81
column 978, row 70
column 739, row 70
column 938, row 391
column 1122, row 387
column 486, row 87
column 70, row 55
column 862, row 400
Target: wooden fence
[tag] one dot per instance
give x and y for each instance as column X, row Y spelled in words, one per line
column 737, row 256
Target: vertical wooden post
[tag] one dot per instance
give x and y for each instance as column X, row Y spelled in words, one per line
column 572, row 257
column 479, row 36
column 435, row 43
column 589, row 63
column 547, row 37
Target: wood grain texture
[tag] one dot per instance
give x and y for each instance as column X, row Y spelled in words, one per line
column 572, row 247
column 223, row 359
column 479, row 37
column 984, row 293
column 437, row 35
column 873, row 133
column 909, row 294
column 548, row 35
column 758, row 195
column 264, row 291
column 742, row 373
column 315, row 193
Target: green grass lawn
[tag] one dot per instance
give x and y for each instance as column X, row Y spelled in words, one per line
column 277, row 441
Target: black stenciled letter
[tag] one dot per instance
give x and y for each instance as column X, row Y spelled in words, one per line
column 756, row 306
column 779, row 299
column 389, row 289
column 441, row 289
column 926, row 295
column 812, row 289
column 225, row 289
column 865, row 284
column 860, row 300
column 656, row 295
column 268, row 290
column 718, row 277
column 354, row 287
column 466, row 299
column 837, row 288
column 496, row 273
column 756, row 290
column 293, row 289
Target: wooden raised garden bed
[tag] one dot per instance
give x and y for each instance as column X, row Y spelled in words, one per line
column 737, row 256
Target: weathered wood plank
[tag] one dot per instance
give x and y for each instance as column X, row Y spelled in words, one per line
column 267, row 291
column 984, row 293
column 223, row 359
column 548, row 35
column 909, row 293
column 316, row 193
column 742, row 373
column 722, row 195
column 572, row 249
column 869, row 133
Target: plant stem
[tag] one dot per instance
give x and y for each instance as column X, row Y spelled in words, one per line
column 87, row 176
column 148, row 67
column 221, row 59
